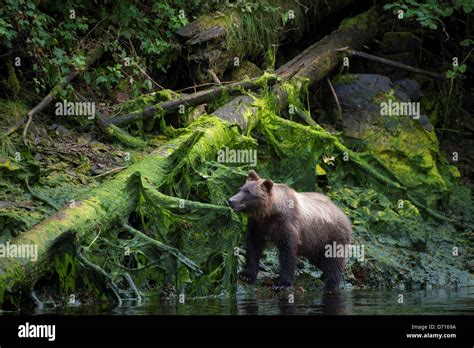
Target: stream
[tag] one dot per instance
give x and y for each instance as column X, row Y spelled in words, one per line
column 348, row 302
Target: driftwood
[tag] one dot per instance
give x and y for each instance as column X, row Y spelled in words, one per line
column 391, row 63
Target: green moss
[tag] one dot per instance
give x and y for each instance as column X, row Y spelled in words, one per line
column 13, row 84
column 245, row 71
column 139, row 103
column 385, row 97
column 14, row 221
column 65, row 266
column 11, row 111
column 124, row 138
column 344, row 79
column 360, row 22
column 252, row 31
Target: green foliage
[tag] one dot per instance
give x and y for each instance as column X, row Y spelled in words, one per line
column 259, row 25
column 456, row 71
column 55, row 38
column 429, row 13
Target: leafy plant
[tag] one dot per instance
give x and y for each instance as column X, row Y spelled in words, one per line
column 53, row 38
column 456, row 71
column 429, row 13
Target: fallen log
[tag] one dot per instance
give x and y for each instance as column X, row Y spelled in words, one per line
column 213, row 43
column 110, row 203
column 192, row 100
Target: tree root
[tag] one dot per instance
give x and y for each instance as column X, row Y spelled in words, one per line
column 130, row 281
column 108, row 280
column 188, row 262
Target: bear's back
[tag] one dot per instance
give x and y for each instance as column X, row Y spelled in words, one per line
column 318, row 206
column 324, row 222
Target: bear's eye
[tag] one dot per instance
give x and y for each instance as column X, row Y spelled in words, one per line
column 247, row 191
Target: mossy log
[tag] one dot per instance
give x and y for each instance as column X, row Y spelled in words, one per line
column 102, row 207
column 194, row 99
column 213, row 42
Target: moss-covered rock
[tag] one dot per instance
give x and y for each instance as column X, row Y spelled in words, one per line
column 246, row 70
column 401, row 142
column 361, row 21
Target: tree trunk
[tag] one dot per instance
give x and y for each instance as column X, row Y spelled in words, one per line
column 96, row 53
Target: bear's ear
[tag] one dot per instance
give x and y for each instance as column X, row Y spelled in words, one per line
column 267, row 185
column 252, row 176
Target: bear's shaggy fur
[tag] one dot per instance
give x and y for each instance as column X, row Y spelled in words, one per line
column 297, row 223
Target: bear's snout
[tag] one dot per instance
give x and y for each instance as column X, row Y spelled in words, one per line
column 234, row 203
column 231, row 202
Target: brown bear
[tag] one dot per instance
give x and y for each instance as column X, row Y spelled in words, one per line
column 297, row 223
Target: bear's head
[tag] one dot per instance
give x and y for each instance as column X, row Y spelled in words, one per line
column 254, row 197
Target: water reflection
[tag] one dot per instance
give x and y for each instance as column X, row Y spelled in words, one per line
column 291, row 304
column 347, row 302
column 333, row 304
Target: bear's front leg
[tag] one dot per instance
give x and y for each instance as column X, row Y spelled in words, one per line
column 255, row 242
column 287, row 244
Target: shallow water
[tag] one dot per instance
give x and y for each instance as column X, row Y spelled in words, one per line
column 348, row 302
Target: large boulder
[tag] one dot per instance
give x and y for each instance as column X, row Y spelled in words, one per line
column 406, row 144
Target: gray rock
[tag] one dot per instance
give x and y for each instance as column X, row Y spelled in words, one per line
column 62, row 131
column 362, row 113
column 425, row 122
column 233, row 111
column 361, row 92
column 408, row 88
column 356, row 99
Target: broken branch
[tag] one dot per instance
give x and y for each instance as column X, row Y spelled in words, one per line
column 390, row 62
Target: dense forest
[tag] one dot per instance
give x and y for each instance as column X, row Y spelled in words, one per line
column 125, row 126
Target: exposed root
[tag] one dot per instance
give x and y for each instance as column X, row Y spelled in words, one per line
column 108, row 280
column 130, row 281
